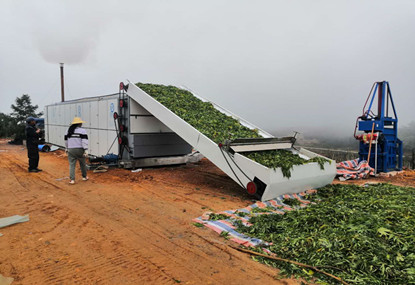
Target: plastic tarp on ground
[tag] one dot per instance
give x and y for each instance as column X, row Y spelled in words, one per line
column 275, row 206
column 353, row 169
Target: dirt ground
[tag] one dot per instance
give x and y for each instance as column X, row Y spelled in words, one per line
column 122, row 227
column 119, row 227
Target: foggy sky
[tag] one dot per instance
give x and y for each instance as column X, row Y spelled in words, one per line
column 282, row 65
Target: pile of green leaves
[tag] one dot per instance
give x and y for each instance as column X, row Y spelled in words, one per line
column 365, row 235
column 219, row 127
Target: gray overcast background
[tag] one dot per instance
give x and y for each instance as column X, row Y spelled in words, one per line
column 282, row 65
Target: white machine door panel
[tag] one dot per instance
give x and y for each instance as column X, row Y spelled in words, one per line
column 70, row 113
column 52, row 134
column 59, row 115
column 147, row 124
column 61, row 131
column 112, row 140
column 94, row 115
column 86, row 114
column 57, row 135
column 93, row 140
column 137, row 109
column 80, row 110
column 103, row 113
column 54, row 120
column 112, row 107
column 103, row 144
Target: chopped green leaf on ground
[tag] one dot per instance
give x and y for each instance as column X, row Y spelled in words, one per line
column 262, row 210
column 225, row 234
column 291, row 202
column 364, row 235
column 217, row 217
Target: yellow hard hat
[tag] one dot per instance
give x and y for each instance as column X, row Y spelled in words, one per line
column 77, row 120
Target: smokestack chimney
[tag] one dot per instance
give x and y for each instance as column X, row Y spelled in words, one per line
column 62, row 88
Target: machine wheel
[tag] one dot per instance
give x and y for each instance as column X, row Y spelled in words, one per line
column 251, row 187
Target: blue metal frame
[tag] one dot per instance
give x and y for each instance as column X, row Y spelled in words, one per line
column 389, row 148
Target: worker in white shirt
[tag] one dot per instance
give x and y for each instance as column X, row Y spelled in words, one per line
column 76, row 141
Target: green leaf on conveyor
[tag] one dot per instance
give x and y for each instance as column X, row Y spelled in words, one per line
column 220, row 127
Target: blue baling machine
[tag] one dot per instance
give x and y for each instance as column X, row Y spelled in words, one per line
column 379, row 143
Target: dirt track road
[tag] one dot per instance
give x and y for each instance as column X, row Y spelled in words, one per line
column 119, row 227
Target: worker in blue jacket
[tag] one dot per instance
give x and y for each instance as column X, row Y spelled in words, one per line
column 76, row 142
column 32, row 142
